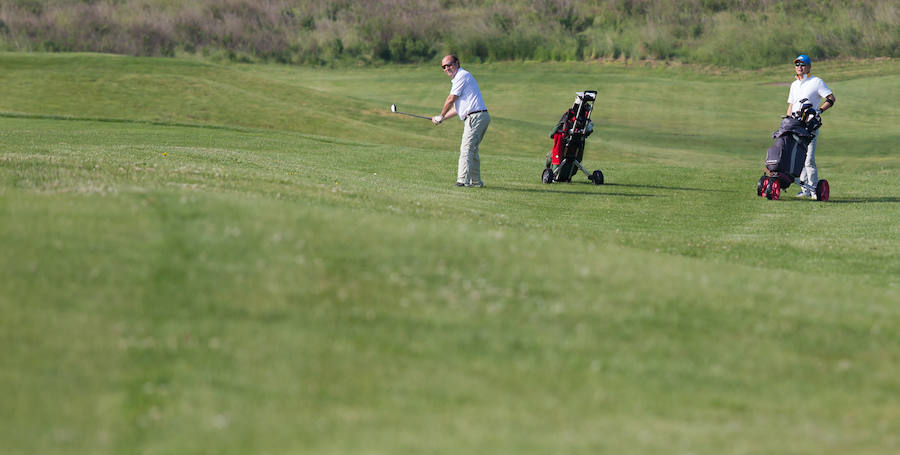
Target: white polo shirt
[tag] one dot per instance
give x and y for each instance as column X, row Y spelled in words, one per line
column 469, row 95
column 810, row 87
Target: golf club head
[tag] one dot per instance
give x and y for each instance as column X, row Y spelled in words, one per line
column 394, row 110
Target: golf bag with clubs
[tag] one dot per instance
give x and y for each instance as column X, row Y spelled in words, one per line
column 786, row 158
column 564, row 159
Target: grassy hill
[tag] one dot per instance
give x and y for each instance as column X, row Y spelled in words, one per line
column 216, row 258
column 745, row 34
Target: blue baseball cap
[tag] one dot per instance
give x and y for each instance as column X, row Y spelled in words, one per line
column 803, row 58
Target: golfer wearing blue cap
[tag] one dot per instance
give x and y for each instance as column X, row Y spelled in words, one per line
column 808, row 89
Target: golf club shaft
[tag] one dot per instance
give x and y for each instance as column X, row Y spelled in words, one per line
column 413, row 115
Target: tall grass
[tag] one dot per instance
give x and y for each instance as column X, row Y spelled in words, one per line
column 745, row 33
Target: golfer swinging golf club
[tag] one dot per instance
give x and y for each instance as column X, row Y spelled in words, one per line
column 812, row 89
column 465, row 101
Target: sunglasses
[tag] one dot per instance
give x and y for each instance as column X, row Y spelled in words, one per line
column 799, row 64
column 449, row 65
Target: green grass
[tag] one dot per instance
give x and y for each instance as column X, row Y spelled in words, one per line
column 260, row 259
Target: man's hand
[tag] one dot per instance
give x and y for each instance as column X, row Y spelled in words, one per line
column 437, row 119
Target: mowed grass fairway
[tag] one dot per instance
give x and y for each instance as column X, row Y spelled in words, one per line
column 200, row 258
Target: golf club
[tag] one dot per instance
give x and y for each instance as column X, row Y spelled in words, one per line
column 394, row 110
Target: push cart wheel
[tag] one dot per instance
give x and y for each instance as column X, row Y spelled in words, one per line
column 547, row 176
column 823, row 190
column 597, row 177
column 761, row 185
column 773, row 190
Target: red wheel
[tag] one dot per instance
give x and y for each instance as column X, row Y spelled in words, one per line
column 776, row 190
column 761, row 185
column 823, row 190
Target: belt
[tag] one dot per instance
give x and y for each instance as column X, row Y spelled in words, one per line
column 476, row 112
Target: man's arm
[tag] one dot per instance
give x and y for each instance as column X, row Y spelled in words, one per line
column 790, row 105
column 829, row 101
column 449, row 106
column 446, row 111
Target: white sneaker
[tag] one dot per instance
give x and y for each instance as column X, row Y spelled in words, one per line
column 803, row 193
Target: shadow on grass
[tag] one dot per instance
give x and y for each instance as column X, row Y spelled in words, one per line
column 560, row 189
column 674, row 188
column 863, row 200
column 849, row 200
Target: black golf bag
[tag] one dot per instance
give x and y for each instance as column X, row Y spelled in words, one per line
column 786, row 158
column 575, row 125
column 788, row 154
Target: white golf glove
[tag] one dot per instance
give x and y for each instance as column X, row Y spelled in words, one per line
column 437, row 119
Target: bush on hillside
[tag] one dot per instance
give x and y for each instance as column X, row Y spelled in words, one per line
column 746, row 33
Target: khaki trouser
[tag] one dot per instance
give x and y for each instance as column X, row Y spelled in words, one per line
column 469, row 170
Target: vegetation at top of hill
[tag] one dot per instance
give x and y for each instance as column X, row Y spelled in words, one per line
column 745, row 33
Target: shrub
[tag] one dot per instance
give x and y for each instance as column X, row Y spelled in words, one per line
column 746, row 33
